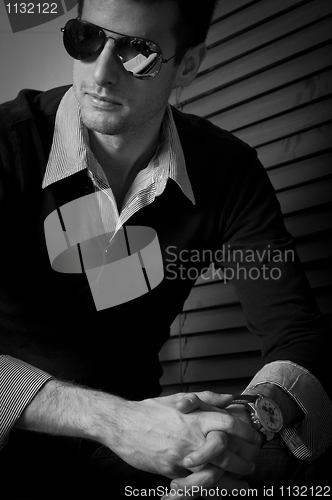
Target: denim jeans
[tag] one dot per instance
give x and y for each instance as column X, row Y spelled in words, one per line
column 35, row 466
column 280, row 475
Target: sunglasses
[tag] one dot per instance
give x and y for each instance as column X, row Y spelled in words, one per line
column 140, row 57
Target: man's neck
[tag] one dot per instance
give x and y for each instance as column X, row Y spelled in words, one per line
column 122, row 157
column 118, row 155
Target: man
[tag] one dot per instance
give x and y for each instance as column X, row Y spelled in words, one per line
column 101, row 168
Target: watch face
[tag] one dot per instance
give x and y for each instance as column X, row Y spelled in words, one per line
column 269, row 414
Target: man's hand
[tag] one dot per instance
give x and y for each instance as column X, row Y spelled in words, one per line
column 223, row 458
column 155, row 436
column 234, row 454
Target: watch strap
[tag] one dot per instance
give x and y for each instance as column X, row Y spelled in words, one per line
column 244, row 398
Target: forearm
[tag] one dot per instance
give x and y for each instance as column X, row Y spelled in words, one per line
column 61, row 408
column 134, row 430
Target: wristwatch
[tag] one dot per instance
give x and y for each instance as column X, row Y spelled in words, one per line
column 266, row 416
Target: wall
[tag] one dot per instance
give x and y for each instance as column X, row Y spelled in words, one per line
column 33, row 58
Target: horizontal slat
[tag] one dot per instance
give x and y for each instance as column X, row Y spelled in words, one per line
column 209, row 276
column 304, row 197
column 291, row 148
column 281, row 26
column 227, row 8
column 287, row 124
column 209, row 320
column 274, row 103
column 216, row 368
column 301, row 171
column 211, row 344
column 231, row 95
column 259, row 60
column 306, row 223
column 214, row 293
column 246, row 18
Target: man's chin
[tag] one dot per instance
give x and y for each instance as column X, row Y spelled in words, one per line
column 102, row 129
column 102, row 126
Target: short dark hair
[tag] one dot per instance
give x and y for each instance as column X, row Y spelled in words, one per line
column 193, row 24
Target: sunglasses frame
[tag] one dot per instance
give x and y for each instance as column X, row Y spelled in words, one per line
column 116, row 41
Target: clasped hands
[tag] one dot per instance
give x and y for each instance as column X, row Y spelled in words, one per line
column 195, row 439
column 228, row 452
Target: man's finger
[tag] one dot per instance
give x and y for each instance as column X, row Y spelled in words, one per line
column 189, row 403
column 192, row 402
column 206, row 477
column 231, row 462
column 206, row 401
column 214, row 446
column 214, row 451
column 225, row 422
column 215, row 399
column 206, row 480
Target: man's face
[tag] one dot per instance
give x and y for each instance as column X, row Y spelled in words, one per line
column 131, row 104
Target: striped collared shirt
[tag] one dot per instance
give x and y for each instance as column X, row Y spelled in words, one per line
column 70, row 153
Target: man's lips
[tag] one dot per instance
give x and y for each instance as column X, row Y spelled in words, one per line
column 101, row 97
column 101, row 100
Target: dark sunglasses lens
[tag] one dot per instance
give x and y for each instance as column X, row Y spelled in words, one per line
column 140, row 57
column 82, row 40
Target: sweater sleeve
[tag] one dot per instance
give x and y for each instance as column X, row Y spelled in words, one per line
column 19, row 383
column 260, row 259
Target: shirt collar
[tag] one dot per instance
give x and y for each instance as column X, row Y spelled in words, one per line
column 70, row 152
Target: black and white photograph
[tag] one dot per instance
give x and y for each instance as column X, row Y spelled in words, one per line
column 166, row 249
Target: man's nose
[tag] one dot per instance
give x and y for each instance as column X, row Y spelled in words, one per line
column 107, row 66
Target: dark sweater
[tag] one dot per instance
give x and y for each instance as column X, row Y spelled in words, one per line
column 49, row 319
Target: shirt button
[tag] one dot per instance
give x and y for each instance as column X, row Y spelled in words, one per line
column 86, row 190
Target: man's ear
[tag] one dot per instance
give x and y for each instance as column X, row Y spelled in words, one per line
column 190, row 64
